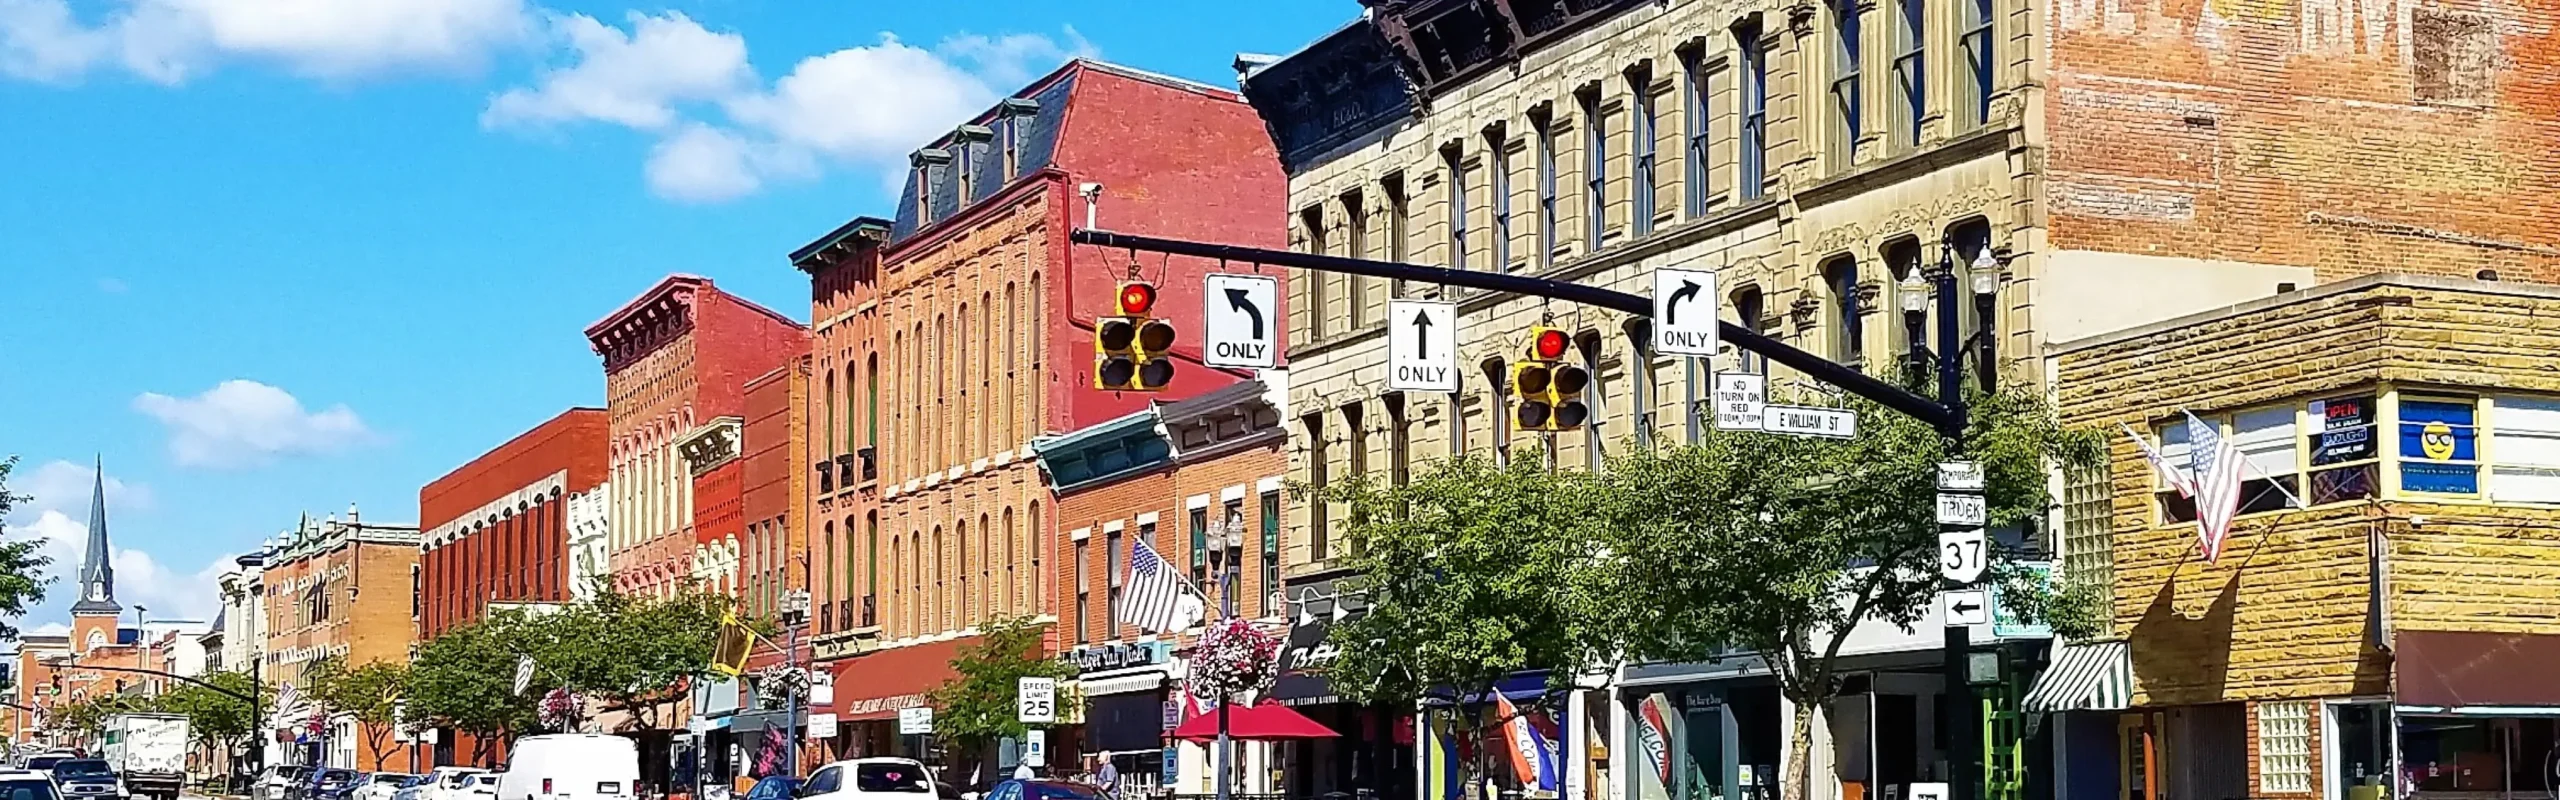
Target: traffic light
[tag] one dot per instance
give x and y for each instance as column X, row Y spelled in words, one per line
column 1546, row 388
column 1131, row 348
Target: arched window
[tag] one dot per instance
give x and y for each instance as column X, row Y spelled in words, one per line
column 960, row 605
column 827, row 590
column 986, row 569
column 961, row 395
column 1012, row 555
column 984, row 365
column 1039, row 554
column 831, row 413
column 1010, row 383
column 871, row 401
column 937, row 614
column 1840, row 281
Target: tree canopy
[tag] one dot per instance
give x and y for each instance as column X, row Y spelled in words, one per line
column 22, row 562
column 216, row 718
column 976, row 705
column 371, row 692
column 636, row 654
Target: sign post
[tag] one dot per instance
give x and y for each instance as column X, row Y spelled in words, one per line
column 1241, row 321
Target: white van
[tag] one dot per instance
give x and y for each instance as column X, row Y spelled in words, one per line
column 571, row 766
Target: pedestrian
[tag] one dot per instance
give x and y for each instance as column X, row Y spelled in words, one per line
column 1109, row 776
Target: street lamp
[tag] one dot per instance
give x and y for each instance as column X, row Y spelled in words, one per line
column 1226, row 560
column 795, row 613
column 1912, row 294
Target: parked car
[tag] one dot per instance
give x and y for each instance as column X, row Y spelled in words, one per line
column 871, row 779
column 382, row 785
column 775, row 787
column 331, row 784
column 87, row 778
column 441, row 783
column 27, row 784
column 275, row 780
column 1042, row 790
column 570, row 766
column 483, row 786
column 43, row 762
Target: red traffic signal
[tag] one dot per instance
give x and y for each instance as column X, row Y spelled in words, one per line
column 1550, row 344
column 1137, row 298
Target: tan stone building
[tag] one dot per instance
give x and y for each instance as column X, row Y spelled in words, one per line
column 2412, row 606
column 343, row 589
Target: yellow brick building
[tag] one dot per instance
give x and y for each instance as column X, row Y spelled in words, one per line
column 2407, row 621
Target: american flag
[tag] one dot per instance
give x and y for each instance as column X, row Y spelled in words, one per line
column 1156, row 593
column 2213, row 468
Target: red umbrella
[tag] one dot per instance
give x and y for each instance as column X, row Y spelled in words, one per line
column 1264, row 721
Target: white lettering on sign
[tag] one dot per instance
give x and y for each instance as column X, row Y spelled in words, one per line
column 1742, row 400
column 1834, row 423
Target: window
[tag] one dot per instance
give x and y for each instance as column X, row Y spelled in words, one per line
column 1312, row 221
column 2363, row 744
column 1848, row 344
column 831, row 409
column 1355, row 424
column 2341, row 440
column 1844, row 81
column 1084, row 590
column 1748, row 305
column 1457, row 169
column 2088, row 528
column 2269, row 446
column 1755, row 111
column 1976, row 40
column 1910, row 73
column 826, row 780
column 1594, row 432
column 1264, row 604
column 1693, row 132
column 2284, row 747
column 1355, row 223
column 1595, row 170
column 1200, row 545
column 1499, row 175
column 1543, row 129
column 2439, row 446
column 1399, row 439
column 1318, row 474
column 1111, row 582
column 1646, row 128
column 2528, row 449
column 1399, row 219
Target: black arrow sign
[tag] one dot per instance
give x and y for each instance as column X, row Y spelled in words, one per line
column 1963, row 607
column 1422, row 327
column 1240, row 300
column 1671, row 308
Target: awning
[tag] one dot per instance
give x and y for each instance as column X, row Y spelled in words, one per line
column 2453, row 669
column 1129, row 681
column 2085, row 676
column 1265, row 721
column 876, row 684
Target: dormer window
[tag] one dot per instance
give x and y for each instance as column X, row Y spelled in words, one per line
column 965, row 141
column 1010, row 115
column 924, row 161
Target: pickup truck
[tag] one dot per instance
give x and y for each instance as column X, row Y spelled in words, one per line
column 150, row 751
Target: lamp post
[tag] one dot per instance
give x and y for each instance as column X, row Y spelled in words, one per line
column 795, row 613
column 1965, row 729
column 1226, row 554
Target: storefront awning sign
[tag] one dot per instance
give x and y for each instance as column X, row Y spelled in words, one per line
column 2085, row 676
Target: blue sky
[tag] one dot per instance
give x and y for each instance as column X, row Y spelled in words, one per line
column 276, row 256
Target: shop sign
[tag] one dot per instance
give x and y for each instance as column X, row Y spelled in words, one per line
column 2005, row 622
column 846, row 647
column 1117, row 655
column 876, row 705
column 2343, row 430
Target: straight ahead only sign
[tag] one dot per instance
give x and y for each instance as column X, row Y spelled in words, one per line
column 1422, row 346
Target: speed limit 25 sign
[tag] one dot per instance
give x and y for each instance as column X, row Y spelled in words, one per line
column 1036, row 700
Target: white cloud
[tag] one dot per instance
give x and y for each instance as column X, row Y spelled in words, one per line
column 140, row 579
column 863, row 107
column 50, row 629
column 633, row 79
column 169, row 41
column 66, row 486
column 245, row 423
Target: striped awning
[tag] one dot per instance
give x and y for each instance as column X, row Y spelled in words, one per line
column 2085, row 676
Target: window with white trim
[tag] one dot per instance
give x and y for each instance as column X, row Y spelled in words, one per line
column 2284, row 747
column 2527, row 467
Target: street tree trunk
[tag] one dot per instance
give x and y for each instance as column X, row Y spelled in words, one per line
column 1798, row 784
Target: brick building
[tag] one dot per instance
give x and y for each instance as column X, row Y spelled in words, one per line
column 1180, row 476
column 774, row 554
column 984, row 319
column 343, row 589
column 497, row 527
column 843, row 426
column 711, row 459
column 2406, row 609
column 2081, row 168
column 675, row 358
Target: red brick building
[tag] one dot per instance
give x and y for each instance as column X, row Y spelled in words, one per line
column 712, row 457
column 1199, row 481
column 842, row 430
column 985, row 315
column 497, row 527
column 675, row 358
column 774, row 548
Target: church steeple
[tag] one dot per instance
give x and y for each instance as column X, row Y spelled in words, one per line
column 97, row 567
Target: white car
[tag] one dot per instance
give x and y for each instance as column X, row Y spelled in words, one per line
column 25, row 784
column 570, row 766
column 483, row 786
column 441, row 783
column 382, row 785
column 870, row 779
column 273, row 782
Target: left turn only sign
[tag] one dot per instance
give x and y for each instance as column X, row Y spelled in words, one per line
column 1241, row 315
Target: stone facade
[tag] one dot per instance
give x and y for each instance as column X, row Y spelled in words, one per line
column 341, row 589
column 2312, row 604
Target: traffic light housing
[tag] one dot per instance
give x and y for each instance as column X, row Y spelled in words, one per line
column 1546, row 388
column 1131, row 348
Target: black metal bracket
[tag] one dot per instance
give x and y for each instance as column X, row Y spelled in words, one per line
column 1947, row 421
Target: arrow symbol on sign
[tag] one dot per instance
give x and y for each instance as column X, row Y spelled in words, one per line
column 1964, row 607
column 1671, row 308
column 1422, row 325
column 1238, row 300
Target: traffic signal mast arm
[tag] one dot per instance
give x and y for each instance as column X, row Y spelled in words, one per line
column 1946, row 420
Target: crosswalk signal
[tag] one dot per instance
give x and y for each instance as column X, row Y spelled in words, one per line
column 1547, row 390
column 1131, row 347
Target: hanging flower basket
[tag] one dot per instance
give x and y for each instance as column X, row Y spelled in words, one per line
column 1233, row 658
column 559, row 709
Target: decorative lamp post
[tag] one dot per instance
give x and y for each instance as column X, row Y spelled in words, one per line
column 1233, row 656
column 795, row 613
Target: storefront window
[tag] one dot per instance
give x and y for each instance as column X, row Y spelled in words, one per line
column 2363, row 748
column 2343, row 448
column 2512, row 756
column 2439, row 452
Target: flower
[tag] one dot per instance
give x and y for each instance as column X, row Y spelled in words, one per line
column 1234, row 657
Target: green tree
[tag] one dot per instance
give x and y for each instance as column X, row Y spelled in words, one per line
column 976, row 706
column 466, row 678
column 1778, row 546
column 217, row 719
column 370, row 692
column 22, row 578
column 86, row 718
column 636, row 654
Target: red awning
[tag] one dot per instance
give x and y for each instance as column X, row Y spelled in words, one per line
column 1262, row 722
column 2461, row 668
column 876, row 684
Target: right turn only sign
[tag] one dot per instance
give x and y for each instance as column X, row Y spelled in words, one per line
column 1684, row 312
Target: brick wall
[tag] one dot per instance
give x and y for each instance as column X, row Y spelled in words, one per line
column 523, row 555
column 2352, row 137
column 1166, row 496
